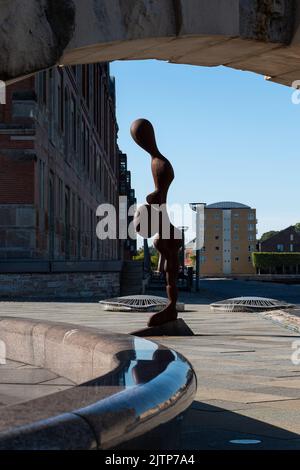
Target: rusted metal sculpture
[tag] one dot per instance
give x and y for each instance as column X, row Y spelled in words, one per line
column 168, row 239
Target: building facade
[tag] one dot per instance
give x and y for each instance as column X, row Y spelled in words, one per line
column 229, row 240
column 59, row 160
column 285, row 241
column 129, row 245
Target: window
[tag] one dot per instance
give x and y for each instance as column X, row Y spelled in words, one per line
column 217, row 237
column 217, row 248
column 87, row 150
column 292, row 237
column 249, row 259
column 217, row 216
column 236, row 258
column 217, row 227
column 82, row 143
column 251, row 216
column 236, row 226
column 236, row 248
column 236, row 237
column 42, row 87
column 67, row 122
column 250, row 227
column 250, row 238
column 73, row 209
column 291, row 247
column 73, row 124
column 251, row 248
column 98, row 172
column 236, row 214
column 217, row 258
column 42, row 183
column 60, row 196
column 94, row 162
column 280, row 247
column 60, row 102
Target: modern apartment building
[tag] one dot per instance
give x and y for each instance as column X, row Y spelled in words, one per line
column 229, row 240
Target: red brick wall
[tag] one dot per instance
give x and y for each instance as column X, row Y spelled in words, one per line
column 16, row 181
column 22, row 85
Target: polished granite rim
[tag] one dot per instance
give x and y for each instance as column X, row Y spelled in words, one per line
column 125, row 386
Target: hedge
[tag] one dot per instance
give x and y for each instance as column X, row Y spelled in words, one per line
column 263, row 260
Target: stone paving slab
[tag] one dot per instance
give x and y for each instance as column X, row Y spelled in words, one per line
column 20, row 382
column 20, row 393
column 24, row 375
column 243, row 364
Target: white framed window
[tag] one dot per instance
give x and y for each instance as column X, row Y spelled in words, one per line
column 280, row 247
column 250, row 227
column 250, row 237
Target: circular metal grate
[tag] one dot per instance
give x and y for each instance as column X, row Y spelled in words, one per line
column 249, row 304
column 137, row 303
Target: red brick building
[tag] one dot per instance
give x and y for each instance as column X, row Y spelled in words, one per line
column 58, row 161
column 287, row 240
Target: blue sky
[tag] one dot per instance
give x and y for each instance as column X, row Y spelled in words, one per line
column 230, row 135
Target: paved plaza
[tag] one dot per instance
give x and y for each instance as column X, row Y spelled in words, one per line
column 248, row 385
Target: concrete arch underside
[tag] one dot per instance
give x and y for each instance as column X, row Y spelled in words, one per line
column 261, row 36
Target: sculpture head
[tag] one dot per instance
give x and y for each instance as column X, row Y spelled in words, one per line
column 142, row 133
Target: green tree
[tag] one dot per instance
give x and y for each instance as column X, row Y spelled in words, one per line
column 154, row 261
column 193, row 259
column 265, row 236
column 297, row 227
column 154, row 256
column 139, row 256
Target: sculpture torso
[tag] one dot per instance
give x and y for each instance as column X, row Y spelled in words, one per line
column 162, row 171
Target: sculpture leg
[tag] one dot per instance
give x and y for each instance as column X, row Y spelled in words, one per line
column 169, row 313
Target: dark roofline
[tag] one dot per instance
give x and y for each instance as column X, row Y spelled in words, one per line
column 280, row 231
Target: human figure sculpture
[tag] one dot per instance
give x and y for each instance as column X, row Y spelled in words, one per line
column 168, row 239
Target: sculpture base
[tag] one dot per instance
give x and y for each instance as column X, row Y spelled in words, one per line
column 172, row 328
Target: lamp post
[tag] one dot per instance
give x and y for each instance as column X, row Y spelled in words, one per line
column 183, row 229
column 147, row 258
column 198, row 207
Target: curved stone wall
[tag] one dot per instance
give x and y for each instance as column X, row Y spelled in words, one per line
column 125, row 386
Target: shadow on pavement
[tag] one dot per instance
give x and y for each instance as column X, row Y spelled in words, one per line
column 208, row 427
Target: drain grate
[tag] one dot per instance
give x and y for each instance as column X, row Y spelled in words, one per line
column 249, row 304
column 137, row 303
